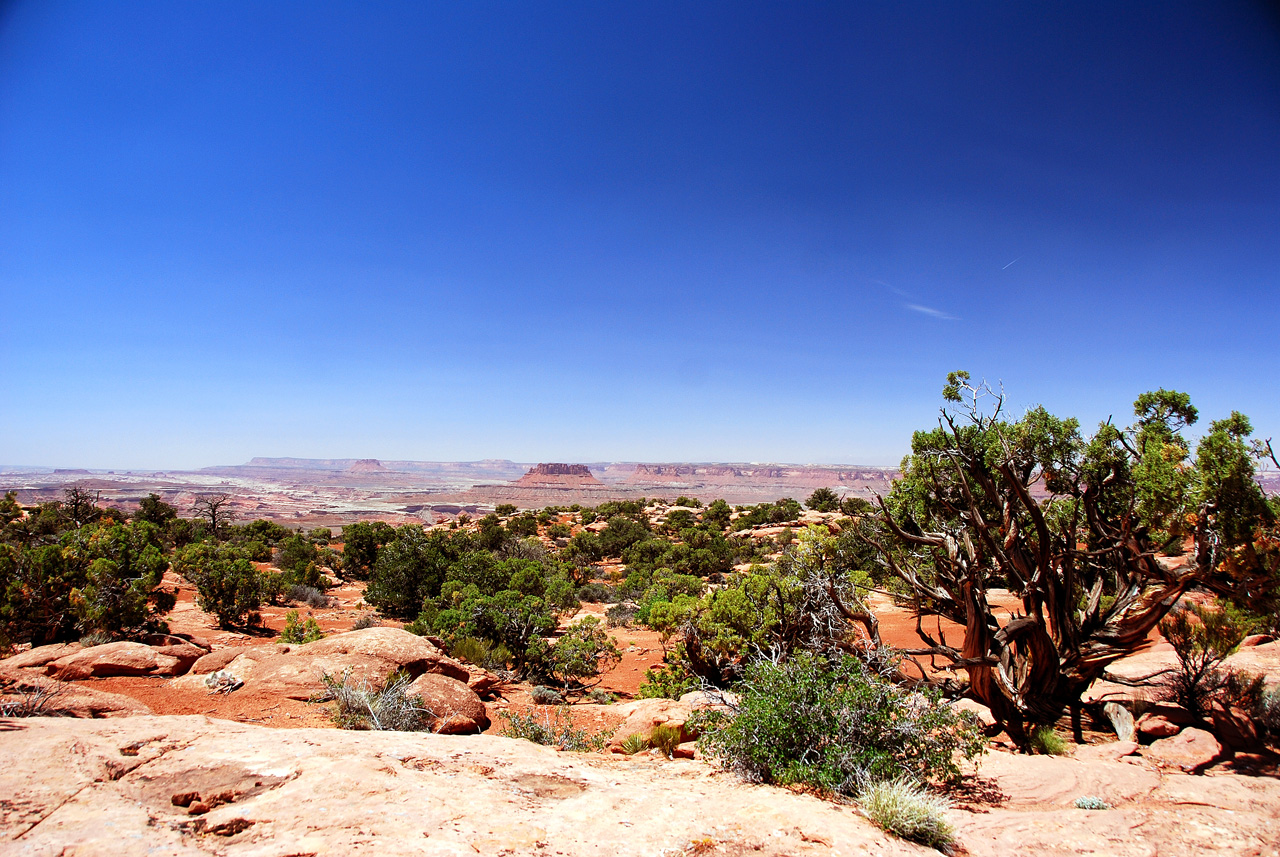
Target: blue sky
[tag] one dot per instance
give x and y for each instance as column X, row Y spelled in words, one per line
column 605, row 231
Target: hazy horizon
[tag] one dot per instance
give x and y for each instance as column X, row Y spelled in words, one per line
column 591, row 232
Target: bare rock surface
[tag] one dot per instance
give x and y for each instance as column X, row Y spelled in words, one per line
column 1154, row 812
column 41, row 655
column 193, row 786
column 294, row 671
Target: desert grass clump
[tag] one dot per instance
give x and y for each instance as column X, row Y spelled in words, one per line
column 308, row 595
column 297, row 631
column 385, row 707
column 665, row 739
column 482, row 653
column 366, row 620
column 553, row 731
column 904, row 808
column 1047, row 742
column 542, row 695
column 31, row 700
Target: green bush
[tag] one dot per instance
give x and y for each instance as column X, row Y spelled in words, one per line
column 582, row 653
column 823, row 500
column 123, row 567
column 1202, row 637
column 904, row 808
column 670, row 681
column 837, row 726
column 636, row 743
column 559, row 531
column 227, row 583
column 296, row 631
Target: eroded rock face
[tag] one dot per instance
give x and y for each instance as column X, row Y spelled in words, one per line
column 295, row 671
column 67, row 699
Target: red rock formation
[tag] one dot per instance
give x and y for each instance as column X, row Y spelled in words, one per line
column 367, row 465
column 558, row 476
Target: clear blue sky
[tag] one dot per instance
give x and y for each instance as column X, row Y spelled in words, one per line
column 641, row 231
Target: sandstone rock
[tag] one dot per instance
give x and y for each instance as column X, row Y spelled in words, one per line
column 1234, row 727
column 715, row 700
column 483, row 683
column 1253, row 640
column 1191, row 750
column 215, row 661
column 41, row 655
column 69, row 790
column 1108, row 752
column 116, row 659
column 640, row 716
column 1152, row 726
column 295, row 671
column 68, row 700
column 1121, row 720
column 686, row 750
column 456, row 709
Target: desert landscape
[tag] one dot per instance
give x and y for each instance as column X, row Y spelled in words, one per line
column 577, row 429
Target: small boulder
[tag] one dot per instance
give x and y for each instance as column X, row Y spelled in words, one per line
column 1121, row 720
column 1253, row 640
column 485, row 684
column 1153, row 726
column 455, row 708
column 687, row 750
column 68, row 700
column 1191, row 750
column 215, row 661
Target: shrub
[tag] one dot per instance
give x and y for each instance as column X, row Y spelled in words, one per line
column 559, row 531
column 385, row 707
column 552, row 731
column 1267, row 711
column 123, row 566
column 296, row 553
column 904, row 808
column 366, row 620
column 837, row 726
column 227, row 584
column 665, row 739
column 502, row 510
column 601, row 697
column 582, row 654
column 670, row 681
column 1048, row 742
column 542, row 695
column 308, row 595
column 620, row 615
column 597, row 593
column 1202, row 637
column 481, row 653
column 298, row 632
column 823, row 500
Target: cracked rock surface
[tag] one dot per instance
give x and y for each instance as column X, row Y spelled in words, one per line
column 189, row 785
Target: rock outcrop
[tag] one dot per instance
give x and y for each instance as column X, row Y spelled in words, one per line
column 295, row 671
column 559, row 476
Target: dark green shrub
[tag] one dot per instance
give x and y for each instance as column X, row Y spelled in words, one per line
column 823, row 500
column 410, row 568
column 360, row 545
column 123, row 567
column 559, row 531
column 502, row 510
column 582, row 653
column 227, row 583
column 670, row 681
column 299, row 561
column 597, row 593
column 523, row 526
column 837, row 726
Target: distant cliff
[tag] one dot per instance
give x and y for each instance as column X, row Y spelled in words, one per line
column 559, row 476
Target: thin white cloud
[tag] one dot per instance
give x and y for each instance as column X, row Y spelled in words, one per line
column 931, row 312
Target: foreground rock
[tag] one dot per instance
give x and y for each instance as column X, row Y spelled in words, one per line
column 124, row 659
column 193, row 786
column 65, row 699
column 455, row 708
column 1154, row 811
